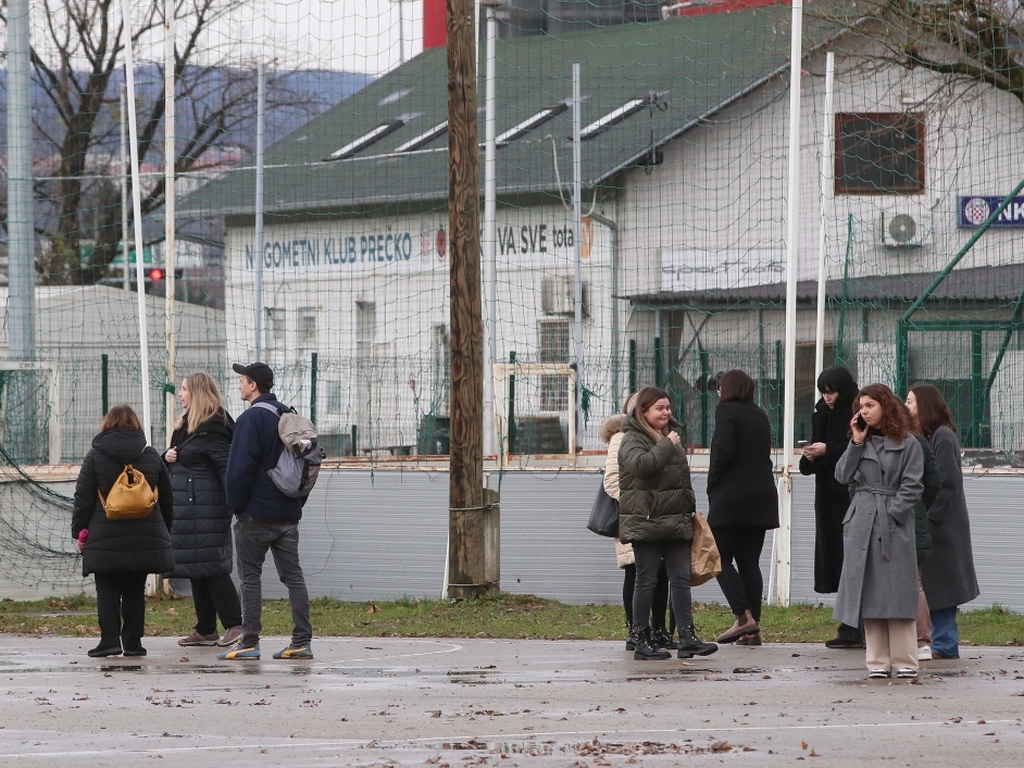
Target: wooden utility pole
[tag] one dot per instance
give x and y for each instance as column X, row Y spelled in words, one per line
column 472, row 565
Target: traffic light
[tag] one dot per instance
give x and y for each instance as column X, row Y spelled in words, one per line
column 155, row 280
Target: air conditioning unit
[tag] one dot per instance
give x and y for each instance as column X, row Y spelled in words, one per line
column 558, row 296
column 907, row 226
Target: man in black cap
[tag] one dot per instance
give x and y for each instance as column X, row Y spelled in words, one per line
column 265, row 517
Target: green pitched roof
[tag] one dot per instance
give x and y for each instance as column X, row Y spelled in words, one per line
column 697, row 66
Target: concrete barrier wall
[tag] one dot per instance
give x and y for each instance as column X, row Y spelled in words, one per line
column 378, row 535
column 382, row 535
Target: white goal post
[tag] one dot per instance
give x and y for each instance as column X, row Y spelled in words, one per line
column 502, row 373
column 52, row 397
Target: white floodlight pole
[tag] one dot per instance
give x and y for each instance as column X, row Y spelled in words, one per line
column 261, row 102
column 783, row 537
column 577, row 211
column 826, row 195
column 124, row 188
column 490, row 267
column 140, row 280
column 170, row 238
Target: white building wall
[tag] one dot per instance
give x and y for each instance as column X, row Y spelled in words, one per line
column 385, row 377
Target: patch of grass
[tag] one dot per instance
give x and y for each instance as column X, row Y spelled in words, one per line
column 505, row 616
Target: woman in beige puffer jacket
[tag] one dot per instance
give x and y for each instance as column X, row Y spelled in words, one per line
column 611, row 433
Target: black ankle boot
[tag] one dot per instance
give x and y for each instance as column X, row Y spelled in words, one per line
column 631, row 639
column 645, row 647
column 663, row 639
column 690, row 645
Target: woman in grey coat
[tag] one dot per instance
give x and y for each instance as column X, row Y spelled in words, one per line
column 949, row 578
column 878, row 585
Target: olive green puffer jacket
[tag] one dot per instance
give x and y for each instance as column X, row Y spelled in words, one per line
column 656, row 501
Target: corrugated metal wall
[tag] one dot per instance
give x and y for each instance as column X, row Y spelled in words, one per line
column 382, row 535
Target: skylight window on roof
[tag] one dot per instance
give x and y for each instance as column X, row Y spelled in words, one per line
column 614, row 117
column 424, row 138
column 530, row 123
column 367, row 139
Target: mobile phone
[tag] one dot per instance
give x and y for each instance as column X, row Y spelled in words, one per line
column 861, row 424
column 801, row 443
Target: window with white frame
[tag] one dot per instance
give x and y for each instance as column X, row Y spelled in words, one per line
column 276, row 330
column 307, row 327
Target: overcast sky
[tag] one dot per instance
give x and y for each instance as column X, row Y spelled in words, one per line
column 351, row 35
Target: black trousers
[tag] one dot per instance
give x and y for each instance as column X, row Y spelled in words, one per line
column 741, row 582
column 121, row 609
column 659, row 601
column 216, row 596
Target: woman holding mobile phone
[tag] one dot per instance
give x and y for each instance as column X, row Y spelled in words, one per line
column 885, row 465
column 830, row 428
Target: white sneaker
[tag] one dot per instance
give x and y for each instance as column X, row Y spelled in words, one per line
column 924, row 653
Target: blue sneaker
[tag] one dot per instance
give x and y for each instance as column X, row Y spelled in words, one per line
column 241, row 652
column 294, row 651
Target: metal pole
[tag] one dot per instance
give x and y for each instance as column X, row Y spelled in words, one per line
column 261, row 103
column 140, row 280
column 20, row 214
column 577, row 211
column 490, row 267
column 826, row 195
column 613, row 291
column 124, row 188
column 784, row 538
column 170, row 239
column 313, row 366
column 104, row 383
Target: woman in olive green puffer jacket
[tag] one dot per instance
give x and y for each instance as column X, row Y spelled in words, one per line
column 656, row 506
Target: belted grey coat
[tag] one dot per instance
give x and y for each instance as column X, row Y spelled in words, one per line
column 879, row 579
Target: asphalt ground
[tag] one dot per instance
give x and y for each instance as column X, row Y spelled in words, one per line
column 439, row 702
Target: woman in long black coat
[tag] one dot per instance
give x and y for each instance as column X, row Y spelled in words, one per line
column 743, row 501
column 830, row 436
column 949, row 578
column 121, row 553
column 198, row 459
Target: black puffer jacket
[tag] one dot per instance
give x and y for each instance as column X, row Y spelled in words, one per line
column 656, row 501
column 114, row 546
column 201, row 533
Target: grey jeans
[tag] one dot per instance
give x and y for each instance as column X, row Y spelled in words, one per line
column 253, row 537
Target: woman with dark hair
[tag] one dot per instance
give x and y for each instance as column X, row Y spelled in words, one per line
column 198, row 460
column 121, row 553
column 949, row 578
column 830, row 428
column 878, row 585
column 656, row 506
column 743, row 501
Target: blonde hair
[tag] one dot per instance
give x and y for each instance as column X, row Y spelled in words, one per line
column 645, row 398
column 206, row 401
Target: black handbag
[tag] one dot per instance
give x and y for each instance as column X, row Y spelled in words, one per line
column 604, row 515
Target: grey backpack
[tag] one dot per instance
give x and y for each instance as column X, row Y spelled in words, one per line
column 298, row 466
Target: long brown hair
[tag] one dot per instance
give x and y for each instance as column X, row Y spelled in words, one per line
column 645, row 398
column 206, row 401
column 932, row 411
column 895, row 423
column 120, row 417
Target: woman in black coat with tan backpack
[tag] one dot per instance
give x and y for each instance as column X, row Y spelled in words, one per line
column 121, row 553
column 198, row 460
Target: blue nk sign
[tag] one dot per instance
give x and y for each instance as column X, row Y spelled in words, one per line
column 975, row 210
